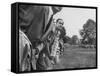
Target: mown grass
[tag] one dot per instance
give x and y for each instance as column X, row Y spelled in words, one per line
column 77, row 58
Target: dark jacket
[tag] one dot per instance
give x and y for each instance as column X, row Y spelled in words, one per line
column 33, row 20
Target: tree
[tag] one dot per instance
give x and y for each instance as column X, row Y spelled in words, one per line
column 74, row 39
column 88, row 33
column 67, row 39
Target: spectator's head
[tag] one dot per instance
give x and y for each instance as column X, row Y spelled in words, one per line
column 59, row 22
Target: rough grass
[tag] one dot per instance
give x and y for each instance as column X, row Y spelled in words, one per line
column 77, row 58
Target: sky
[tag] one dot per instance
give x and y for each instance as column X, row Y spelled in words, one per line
column 75, row 18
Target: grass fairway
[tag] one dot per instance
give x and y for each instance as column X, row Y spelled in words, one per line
column 77, row 58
